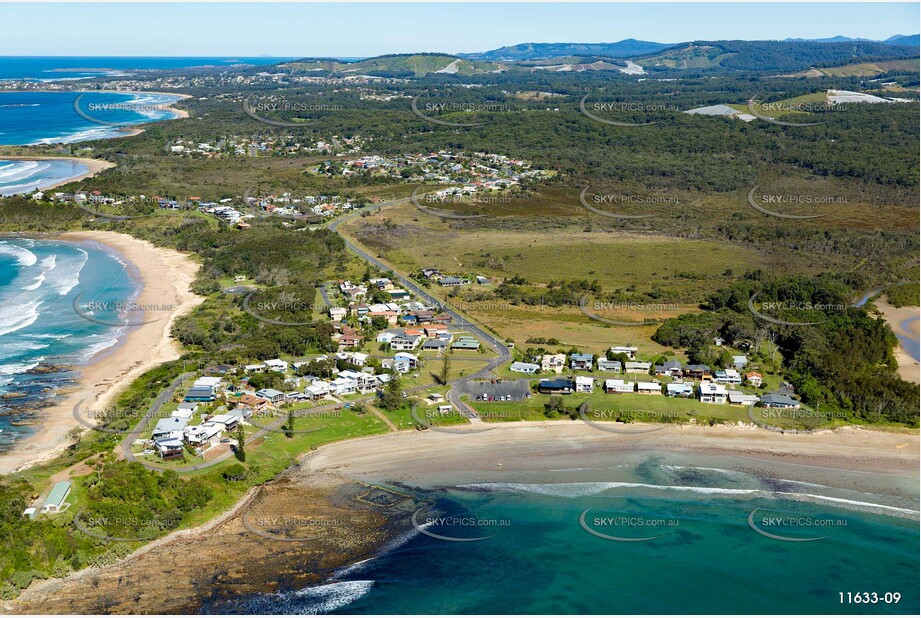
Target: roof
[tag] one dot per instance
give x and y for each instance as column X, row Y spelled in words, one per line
column 519, row 365
column 779, row 399
column 681, row 387
column 269, row 393
column 166, row 425
column 582, row 357
column 58, row 493
column 556, row 384
column 649, row 386
column 711, row 388
column 584, row 380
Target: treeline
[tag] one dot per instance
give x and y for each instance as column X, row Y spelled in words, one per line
column 835, row 355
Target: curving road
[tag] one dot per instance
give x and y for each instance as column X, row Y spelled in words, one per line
column 503, row 355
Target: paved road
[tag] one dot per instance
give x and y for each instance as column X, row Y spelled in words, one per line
column 162, row 398
column 503, row 355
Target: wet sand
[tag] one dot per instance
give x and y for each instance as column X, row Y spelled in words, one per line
column 167, row 277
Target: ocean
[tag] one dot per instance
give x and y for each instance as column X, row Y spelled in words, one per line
column 57, row 68
column 26, row 176
column 55, row 117
column 43, row 340
column 540, row 554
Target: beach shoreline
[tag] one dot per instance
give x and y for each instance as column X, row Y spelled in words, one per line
column 94, row 166
column 166, row 277
column 909, row 368
column 429, row 459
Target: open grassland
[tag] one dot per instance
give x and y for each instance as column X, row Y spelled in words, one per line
column 870, row 69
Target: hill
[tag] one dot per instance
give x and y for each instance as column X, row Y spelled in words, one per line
column 396, row 65
column 772, row 55
column 536, row 51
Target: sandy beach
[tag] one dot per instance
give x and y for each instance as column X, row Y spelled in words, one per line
column 94, row 166
column 166, row 276
column 535, row 445
column 895, row 316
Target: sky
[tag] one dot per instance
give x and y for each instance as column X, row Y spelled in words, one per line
column 369, row 29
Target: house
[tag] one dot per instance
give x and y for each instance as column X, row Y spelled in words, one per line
column 711, row 392
column 170, row 448
column 581, row 362
column 728, row 376
column 404, row 342
column 738, row 398
column 465, row 343
column 779, row 401
column 649, row 388
column 359, row 359
column 224, row 422
column 754, row 378
column 204, row 436
column 524, row 367
column 184, row 413
column 400, row 366
column 668, row 368
column 450, row 282
column 630, row 351
column 271, row 395
column 55, row 500
column 166, row 426
column 254, row 368
column 617, row 386
column 697, row 372
column 584, row 384
column 436, row 344
column 411, row 359
column 336, row 314
column 609, row 365
column 637, row 366
column 254, row 403
column 556, row 387
column 386, row 336
column 679, row 389
column 739, row 362
column 436, row 397
column 481, row 280
column 553, row 362
column 318, row 389
column 343, row 386
column 276, row 364
column 445, row 408
column 207, row 382
column 200, row 393
column 434, row 330
column 398, row 294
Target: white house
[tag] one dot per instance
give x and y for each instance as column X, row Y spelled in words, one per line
column 337, row 314
column 608, row 365
column 276, row 364
column 728, row 376
column 584, row 384
column 711, row 392
column 318, row 389
column 630, row 351
column 385, row 337
column 553, row 362
column 637, row 366
column 344, row 386
column 617, row 386
column 649, row 388
column 524, row 367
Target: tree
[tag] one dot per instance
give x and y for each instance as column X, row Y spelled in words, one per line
column 445, row 368
column 289, row 424
column 392, row 397
column 241, row 443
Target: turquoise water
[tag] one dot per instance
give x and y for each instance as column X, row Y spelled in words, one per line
column 54, row 117
column 39, row 282
column 18, row 176
column 706, row 559
column 53, row 68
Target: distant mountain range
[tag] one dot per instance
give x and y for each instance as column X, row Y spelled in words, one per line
column 535, row 51
column 632, row 47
